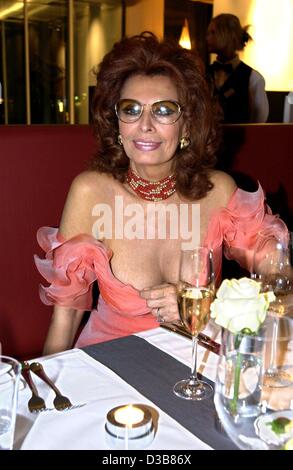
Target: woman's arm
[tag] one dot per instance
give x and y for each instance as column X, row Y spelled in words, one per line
column 76, row 219
column 63, row 327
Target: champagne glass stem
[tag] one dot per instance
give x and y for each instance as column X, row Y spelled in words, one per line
column 272, row 365
column 193, row 376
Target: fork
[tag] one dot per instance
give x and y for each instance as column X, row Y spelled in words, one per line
column 35, row 403
column 60, row 402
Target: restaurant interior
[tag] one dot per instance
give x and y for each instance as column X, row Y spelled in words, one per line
column 50, row 48
column 46, row 80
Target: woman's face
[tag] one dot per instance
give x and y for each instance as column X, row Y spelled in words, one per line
column 146, row 141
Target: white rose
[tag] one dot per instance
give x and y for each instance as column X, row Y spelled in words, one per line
column 243, row 288
column 240, row 305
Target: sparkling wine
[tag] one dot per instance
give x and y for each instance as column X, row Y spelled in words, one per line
column 281, row 283
column 283, row 304
column 194, row 307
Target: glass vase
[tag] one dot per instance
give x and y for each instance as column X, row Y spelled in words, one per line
column 240, row 373
column 248, row 409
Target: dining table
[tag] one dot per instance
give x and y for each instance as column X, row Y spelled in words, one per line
column 138, row 369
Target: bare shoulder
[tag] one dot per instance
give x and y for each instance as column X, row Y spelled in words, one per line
column 89, row 183
column 86, row 189
column 224, row 187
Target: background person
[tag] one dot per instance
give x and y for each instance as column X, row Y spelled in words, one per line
column 240, row 89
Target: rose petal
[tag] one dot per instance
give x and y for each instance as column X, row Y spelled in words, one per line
column 240, row 305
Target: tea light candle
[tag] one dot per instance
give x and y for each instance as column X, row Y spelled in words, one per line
column 129, row 427
column 129, row 415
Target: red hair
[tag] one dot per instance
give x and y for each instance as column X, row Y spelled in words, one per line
column 146, row 55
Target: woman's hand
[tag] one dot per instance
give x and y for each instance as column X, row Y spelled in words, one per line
column 162, row 300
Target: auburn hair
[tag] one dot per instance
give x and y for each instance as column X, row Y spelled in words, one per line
column 145, row 55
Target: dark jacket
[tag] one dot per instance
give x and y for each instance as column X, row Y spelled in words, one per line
column 234, row 94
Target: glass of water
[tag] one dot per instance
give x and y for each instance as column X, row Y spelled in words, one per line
column 10, row 371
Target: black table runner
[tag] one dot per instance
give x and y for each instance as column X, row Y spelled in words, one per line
column 153, row 373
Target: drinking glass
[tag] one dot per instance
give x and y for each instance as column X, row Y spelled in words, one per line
column 195, row 293
column 272, row 268
column 254, row 423
column 10, row 370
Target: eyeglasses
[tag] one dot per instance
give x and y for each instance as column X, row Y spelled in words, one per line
column 165, row 111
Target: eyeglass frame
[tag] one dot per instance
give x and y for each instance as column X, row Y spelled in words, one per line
column 143, row 105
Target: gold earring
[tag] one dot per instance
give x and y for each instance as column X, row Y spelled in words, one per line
column 184, row 142
column 119, row 139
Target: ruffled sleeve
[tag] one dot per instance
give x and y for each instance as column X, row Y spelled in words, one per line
column 70, row 268
column 238, row 226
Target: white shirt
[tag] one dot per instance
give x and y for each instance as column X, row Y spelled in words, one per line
column 259, row 103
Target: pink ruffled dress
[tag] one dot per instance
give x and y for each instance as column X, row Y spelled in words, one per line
column 71, row 267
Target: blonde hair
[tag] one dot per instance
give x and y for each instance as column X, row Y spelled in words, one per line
column 232, row 36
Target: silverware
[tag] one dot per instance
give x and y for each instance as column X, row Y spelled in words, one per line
column 203, row 340
column 60, row 402
column 35, row 403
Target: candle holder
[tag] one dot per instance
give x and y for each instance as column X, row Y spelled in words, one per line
column 129, row 427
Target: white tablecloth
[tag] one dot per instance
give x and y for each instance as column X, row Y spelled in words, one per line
column 87, row 382
column 179, row 347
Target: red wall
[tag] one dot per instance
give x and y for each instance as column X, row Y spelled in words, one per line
column 262, row 152
column 37, row 165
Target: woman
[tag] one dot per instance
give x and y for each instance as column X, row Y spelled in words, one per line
column 155, row 125
column 241, row 90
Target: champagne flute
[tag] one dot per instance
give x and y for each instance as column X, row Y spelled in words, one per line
column 195, row 294
column 272, row 268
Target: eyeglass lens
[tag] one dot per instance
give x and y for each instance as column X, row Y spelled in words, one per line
column 165, row 112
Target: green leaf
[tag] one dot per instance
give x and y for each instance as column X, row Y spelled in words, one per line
column 278, row 425
column 247, row 331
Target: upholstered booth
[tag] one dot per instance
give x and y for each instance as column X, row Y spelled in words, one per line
column 264, row 153
column 37, row 166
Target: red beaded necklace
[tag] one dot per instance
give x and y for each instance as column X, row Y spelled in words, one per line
column 151, row 190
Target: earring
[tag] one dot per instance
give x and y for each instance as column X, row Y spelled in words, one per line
column 119, row 139
column 184, row 142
